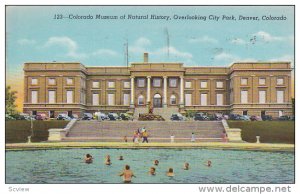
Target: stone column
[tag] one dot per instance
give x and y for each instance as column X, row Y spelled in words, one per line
column 132, row 93
column 165, row 92
column 148, row 89
column 181, row 103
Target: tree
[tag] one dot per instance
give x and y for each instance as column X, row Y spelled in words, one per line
column 10, row 98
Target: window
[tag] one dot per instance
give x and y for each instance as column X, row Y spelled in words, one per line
column 203, row 84
column 126, row 84
column 95, row 84
column 34, row 97
column 111, row 99
column 51, row 114
column 51, row 96
column 245, row 112
column 34, row 81
column 219, row 84
column 111, row 84
column 156, row 82
column 173, row 82
column 70, row 96
column 188, row 100
column 203, row 99
column 188, row 84
column 173, row 99
column 95, row 100
column 244, row 96
column 280, row 96
column 244, row 81
column 69, row 81
column 262, row 97
column 279, row 81
column 262, row 81
column 141, row 100
column 280, row 113
column 51, row 81
column 220, row 99
column 126, row 99
column 141, row 82
column 83, row 83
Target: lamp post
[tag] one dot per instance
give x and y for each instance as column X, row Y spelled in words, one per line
column 31, row 127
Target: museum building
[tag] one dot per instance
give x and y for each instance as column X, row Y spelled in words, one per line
column 246, row 88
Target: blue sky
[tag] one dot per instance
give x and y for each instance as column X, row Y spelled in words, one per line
column 34, row 36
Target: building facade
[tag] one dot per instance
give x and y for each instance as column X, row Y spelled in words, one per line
column 262, row 88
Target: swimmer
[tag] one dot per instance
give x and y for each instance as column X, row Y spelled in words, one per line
column 152, row 171
column 208, row 163
column 186, row 166
column 127, row 174
column 107, row 160
column 88, row 158
column 170, row 172
column 156, row 162
column 121, row 158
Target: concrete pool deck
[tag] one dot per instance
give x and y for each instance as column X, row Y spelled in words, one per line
column 120, row 145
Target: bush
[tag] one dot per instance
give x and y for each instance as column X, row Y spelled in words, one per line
column 17, row 131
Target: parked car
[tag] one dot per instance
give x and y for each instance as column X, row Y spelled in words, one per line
column 126, row 116
column 267, row 118
column 177, row 117
column 234, row 117
column 102, row 115
column 219, row 116
column 244, row 118
column 8, row 117
column 113, row 116
column 41, row 117
column 200, row 116
column 255, row 118
column 292, row 118
column 284, row 118
column 87, row 116
column 74, row 116
column 64, row 117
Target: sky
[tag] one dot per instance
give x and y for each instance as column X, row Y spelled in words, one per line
column 33, row 35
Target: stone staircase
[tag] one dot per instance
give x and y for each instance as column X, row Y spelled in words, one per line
column 159, row 131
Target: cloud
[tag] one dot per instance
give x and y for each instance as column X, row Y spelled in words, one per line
column 267, row 37
column 104, row 52
column 25, row 41
column 225, row 56
column 139, row 45
column 173, row 52
column 203, row 39
column 238, row 41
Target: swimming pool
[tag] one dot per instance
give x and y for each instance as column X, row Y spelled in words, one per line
column 228, row 166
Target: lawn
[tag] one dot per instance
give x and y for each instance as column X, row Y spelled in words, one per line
column 17, row 131
column 269, row 131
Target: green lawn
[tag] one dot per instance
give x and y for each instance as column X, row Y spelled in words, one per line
column 18, row 131
column 269, row 131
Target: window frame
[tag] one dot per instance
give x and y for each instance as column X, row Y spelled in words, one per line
column 176, row 82
column 157, row 79
column 204, row 81
column 138, row 82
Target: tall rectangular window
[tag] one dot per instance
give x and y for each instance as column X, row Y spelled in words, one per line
column 203, row 84
column 111, row 84
column 69, row 81
column 280, row 96
column 126, row 99
column 111, row 99
column 70, row 96
column 188, row 100
column 203, row 99
column 244, row 81
column 262, row 81
column 34, row 97
column 219, row 84
column 262, row 97
column 34, row 81
column 95, row 84
column 279, row 81
column 173, row 82
column 280, row 113
column 51, row 96
column 220, row 99
column 244, row 96
column 126, row 84
column 51, row 81
column 95, row 100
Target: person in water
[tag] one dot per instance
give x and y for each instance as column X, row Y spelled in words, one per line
column 170, row 172
column 107, row 160
column 186, row 166
column 121, row 158
column 152, row 171
column 156, row 162
column 127, row 174
column 208, row 163
column 88, row 158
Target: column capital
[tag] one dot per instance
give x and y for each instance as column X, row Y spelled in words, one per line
column 148, row 77
column 165, row 77
column 181, row 77
column 132, row 77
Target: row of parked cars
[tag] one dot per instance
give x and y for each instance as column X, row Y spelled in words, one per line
column 200, row 116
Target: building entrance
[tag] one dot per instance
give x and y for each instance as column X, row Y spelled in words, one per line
column 157, row 103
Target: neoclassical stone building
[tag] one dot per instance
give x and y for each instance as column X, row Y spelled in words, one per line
column 252, row 88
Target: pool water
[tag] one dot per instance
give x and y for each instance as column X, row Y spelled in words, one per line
column 228, row 166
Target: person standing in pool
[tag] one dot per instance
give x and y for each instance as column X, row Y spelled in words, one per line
column 88, row 158
column 152, row 171
column 170, row 172
column 208, row 163
column 186, row 166
column 107, row 160
column 156, row 162
column 127, row 174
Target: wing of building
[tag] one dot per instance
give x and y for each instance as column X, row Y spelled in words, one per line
column 252, row 88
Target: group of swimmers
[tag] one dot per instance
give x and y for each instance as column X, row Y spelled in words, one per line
column 127, row 174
